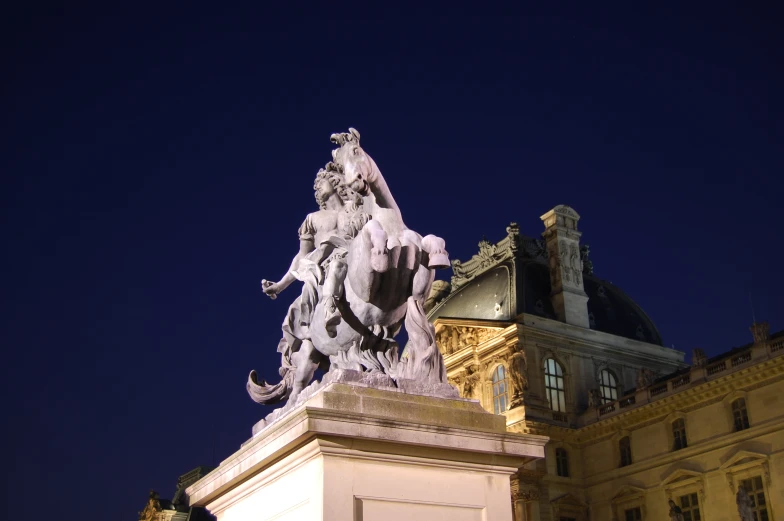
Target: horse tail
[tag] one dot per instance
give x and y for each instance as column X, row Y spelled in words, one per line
column 261, row 392
column 421, row 360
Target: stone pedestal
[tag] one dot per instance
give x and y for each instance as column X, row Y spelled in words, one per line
column 364, row 454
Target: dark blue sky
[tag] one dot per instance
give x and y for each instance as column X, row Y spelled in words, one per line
column 157, row 163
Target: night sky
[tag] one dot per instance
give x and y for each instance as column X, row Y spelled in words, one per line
column 157, row 162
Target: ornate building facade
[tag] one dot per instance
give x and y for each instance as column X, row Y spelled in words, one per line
column 177, row 508
column 527, row 329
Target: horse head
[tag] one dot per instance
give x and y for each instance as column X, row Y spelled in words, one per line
column 358, row 167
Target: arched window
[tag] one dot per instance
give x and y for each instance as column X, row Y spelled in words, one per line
column 554, row 385
column 739, row 415
column 499, row 389
column 625, row 446
column 608, row 386
column 679, row 434
column 562, row 462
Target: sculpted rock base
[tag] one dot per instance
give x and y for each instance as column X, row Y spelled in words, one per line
column 375, row 380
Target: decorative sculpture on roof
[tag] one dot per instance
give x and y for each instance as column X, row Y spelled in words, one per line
column 364, row 275
column 645, row 378
column 152, row 508
column 585, row 252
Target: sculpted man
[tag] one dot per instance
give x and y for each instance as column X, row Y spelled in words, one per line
column 320, row 265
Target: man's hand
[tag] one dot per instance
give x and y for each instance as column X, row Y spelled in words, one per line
column 271, row 289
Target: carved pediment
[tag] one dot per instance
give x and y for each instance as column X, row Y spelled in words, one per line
column 568, row 500
column 628, row 493
column 744, row 459
column 681, row 477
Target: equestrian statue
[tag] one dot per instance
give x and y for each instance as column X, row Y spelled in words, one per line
column 364, row 275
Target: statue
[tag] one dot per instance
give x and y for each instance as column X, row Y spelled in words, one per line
column 472, row 380
column 645, row 378
column 698, row 358
column 438, row 292
column 518, row 373
column 594, row 398
column 675, row 511
column 587, row 263
column 152, row 508
column 743, row 500
column 365, row 275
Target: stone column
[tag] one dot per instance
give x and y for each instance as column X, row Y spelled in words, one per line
column 566, row 273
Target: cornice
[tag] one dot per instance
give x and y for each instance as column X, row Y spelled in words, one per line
column 701, row 395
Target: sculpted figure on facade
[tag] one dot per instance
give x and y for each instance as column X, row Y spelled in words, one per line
column 364, row 275
column 438, row 292
column 594, row 398
column 518, row 373
column 675, row 511
column 743, row 500
column 472, row 380
column 698, row 357
column 152, row 508
column 645, row 377
column 587, row 263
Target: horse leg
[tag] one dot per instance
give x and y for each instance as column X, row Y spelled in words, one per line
column 331, row 292
column 306, row 361
column 436, row 250
column 368, row 257
column 379, row 254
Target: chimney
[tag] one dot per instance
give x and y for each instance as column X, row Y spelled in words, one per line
column 566, row 273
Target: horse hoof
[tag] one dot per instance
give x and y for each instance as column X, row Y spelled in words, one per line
column 438, row 261
column 379, row 261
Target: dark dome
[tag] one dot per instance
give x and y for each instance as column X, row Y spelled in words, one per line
column 512, row 277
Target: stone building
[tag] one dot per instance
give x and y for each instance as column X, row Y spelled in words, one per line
column 529, row 330
column 177, row 508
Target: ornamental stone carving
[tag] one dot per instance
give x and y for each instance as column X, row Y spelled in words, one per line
column 152, row 508
column 451, row 339
column 698, row 357
column 473, row 377
column 594, row 398
column 438, row 292
column 518, row 373
column 645, row 378
column 761, row 332
column 587, row 263
column 490, row 254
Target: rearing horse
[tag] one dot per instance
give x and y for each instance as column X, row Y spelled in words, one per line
column 388, row 273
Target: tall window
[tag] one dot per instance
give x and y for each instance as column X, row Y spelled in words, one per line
column 679, row 434
column 554, row 385
column 690, row 508
column 634, row 514
column 759, row 506
column 608, row 386
column 739, row 414
column 625, row 444
column 499, row 389
column 562, row 462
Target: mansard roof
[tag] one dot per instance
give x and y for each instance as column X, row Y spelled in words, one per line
column 511, row 277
